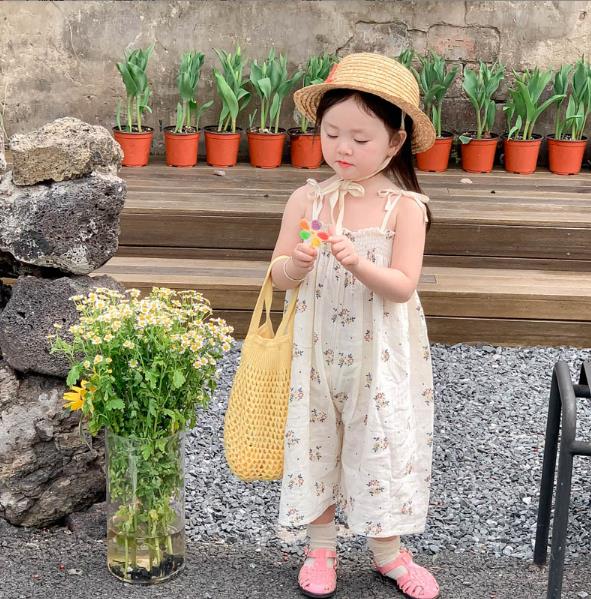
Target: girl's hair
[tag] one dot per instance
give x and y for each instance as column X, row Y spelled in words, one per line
column 401, row 167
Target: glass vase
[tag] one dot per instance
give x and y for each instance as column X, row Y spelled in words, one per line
column 145, row 507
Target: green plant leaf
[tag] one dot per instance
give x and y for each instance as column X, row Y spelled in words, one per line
column 74, row 374
column 178, row 379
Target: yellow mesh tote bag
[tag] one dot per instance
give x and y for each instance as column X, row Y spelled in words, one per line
column 254, row 424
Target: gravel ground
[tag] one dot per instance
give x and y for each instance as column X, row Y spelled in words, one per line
column 491, row 409
column 491, row 406
column 57, row 565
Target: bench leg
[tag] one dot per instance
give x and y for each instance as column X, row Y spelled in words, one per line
column 548, row 473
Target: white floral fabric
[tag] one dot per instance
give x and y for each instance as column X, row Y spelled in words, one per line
column 359, row 428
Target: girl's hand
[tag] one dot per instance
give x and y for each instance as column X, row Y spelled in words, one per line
column 343, row 250
column 304, row 257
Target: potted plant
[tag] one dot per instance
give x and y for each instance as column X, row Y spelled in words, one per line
column 405, row 57
column 182, row 141
column 523, row 108
column 478, row 147
column 434, row 80
column 271, row 84
column 306, row 151
column 136, row 139
column 139, row 368
column 222, row 141
column 567, row 146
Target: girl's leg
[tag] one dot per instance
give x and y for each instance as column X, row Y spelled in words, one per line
column 323, row 533
column 326, row 517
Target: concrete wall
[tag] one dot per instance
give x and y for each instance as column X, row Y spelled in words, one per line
column 58, row 58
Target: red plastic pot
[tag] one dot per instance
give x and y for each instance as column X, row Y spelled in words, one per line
column 135, row 146
column 266, row 149
column 181, row 148
column 306, row 151
column 565, row 156
column 436, row 158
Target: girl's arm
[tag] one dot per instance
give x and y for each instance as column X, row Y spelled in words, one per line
column 398, row 282
column 302, row 257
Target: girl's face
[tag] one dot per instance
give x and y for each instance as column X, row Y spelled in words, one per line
column 354, row 142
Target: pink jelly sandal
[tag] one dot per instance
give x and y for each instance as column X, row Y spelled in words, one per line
column 319, row 579
column 417, row 583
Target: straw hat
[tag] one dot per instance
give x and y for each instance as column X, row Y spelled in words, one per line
column 378, row 75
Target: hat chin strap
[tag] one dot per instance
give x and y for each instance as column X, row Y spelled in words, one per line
column 382, row 166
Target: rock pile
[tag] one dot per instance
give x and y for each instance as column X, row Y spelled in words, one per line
column 60, row 203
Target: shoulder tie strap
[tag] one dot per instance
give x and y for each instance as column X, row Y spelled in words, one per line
column 318, row 196
column 392, row 195
column 419, row 198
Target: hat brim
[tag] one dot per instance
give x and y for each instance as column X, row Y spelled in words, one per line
column 307, row 99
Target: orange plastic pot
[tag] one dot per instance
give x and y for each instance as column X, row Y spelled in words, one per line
column 181, row 148
column 306, row 151
column 221, row 149
column 436, row 158
column 478, row 155
column 135, row 146
column 565, row 156
column 266, row 149
column 521, row 155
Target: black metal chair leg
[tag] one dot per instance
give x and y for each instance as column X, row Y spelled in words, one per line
column 565, row 470
column 548, row 473
column 560, row 525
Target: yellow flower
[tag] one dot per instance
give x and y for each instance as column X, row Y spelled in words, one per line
column 108, row 337
column 75, row 397
column 86, row 364
column 129, row 344
column 98, row 359
column 109, row 360
column 133, row 363
column 58, row 326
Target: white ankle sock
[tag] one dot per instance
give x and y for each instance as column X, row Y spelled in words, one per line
column 322, row 536
column 384, row 552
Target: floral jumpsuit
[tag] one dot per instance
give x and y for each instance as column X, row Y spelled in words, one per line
column 359, row 428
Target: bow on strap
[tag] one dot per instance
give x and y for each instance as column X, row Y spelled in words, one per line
column 336, row 191
column 394, row 195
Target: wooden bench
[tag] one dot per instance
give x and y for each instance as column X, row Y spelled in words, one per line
column 508, row 258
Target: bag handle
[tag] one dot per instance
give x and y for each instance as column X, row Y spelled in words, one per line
column 266, row 298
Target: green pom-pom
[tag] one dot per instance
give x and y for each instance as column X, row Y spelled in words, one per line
column 304, row 235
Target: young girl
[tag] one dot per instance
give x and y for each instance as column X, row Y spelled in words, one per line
column 360, row 419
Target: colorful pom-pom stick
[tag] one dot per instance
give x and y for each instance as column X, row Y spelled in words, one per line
column 323, row 235
column 304, row 224
column 316, row 225
column 304, row 234
column 315, row 242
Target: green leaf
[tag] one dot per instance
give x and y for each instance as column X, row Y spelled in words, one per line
column 178, row 379
column 115, row 404
column 465, row 139
column 74, row 374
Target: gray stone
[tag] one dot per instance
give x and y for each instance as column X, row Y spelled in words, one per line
column 29, row 316
column 2, row 157
column 43, row 479
column 72, row 226
column 63, row 149
column 8, row 385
